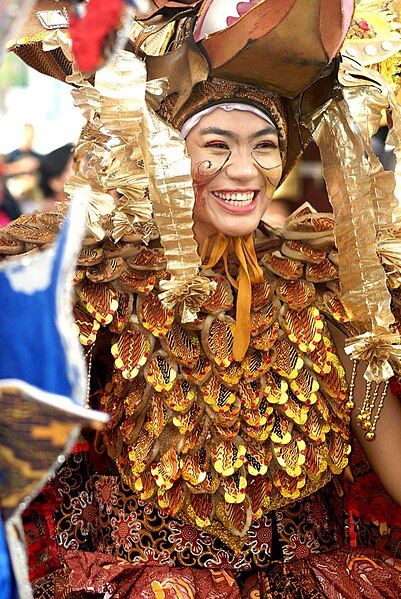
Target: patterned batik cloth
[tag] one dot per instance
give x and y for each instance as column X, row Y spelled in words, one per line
column 90, row 537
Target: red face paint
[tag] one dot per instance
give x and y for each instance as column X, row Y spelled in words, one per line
column 200, row 198
column 202, row 174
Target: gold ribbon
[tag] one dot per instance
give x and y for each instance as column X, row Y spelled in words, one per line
column 249, row 272
column 348, row 172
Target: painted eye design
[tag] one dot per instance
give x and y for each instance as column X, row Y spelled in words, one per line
column 220, row 14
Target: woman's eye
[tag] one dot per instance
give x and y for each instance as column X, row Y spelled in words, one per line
column 217, row 144
column 268, row 145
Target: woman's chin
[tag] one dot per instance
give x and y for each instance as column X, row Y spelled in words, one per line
column 238, row 226
column 234, row 224
column 237, row 231
column 220, row 221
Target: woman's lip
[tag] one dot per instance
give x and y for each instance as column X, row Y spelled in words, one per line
column 238, row 209
column 241, row 190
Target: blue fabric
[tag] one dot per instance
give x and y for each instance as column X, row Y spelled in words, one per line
column 30, row 344
column 7, row 583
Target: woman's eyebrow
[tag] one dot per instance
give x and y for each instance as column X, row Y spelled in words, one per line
column 266, row 131
column 269, row 130
column 218, row 131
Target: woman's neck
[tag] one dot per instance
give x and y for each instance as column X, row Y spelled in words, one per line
column 201, row 233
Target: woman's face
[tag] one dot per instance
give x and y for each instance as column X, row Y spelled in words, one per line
column 236, row 166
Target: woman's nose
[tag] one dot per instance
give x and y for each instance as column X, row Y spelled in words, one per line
column 241, row 165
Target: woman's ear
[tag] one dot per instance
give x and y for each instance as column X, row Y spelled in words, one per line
column 56, row 184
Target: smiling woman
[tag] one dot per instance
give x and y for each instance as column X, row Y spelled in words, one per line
column 232, row 146
column 236, row 137
column 218, row 345
column 217, row 466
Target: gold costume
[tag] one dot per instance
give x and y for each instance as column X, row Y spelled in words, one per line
column 227, row 396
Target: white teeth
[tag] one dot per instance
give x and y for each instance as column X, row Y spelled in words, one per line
column 234, row 203
column 236, row 199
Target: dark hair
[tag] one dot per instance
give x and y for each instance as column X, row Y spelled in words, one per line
column 52, row 165
column 8, row 204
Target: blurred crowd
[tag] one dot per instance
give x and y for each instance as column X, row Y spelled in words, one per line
column 31, row 181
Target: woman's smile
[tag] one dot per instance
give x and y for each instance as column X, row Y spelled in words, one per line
column 239, row 201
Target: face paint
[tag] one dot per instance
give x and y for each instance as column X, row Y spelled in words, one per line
column 200, row 198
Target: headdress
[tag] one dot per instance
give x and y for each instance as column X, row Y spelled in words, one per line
column 213, row 91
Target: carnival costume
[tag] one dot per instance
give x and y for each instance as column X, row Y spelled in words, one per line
column 227, row 398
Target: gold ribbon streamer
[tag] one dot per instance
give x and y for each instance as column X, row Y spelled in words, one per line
column 346, row 169
column 394, row 138
column 366, row 106
column 350, row 179
column 172, row 194
column 107, row 155
column 249, row 272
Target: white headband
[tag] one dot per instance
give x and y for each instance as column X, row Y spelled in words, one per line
column 194, row 120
